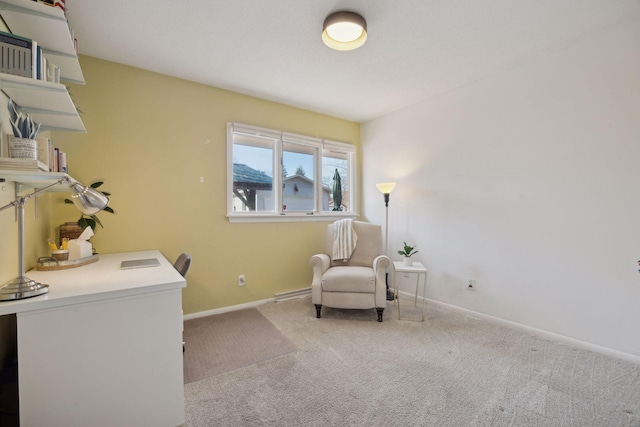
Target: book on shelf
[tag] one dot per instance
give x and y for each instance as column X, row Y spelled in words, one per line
column 54, row 159
column 17, row 55
column 54, row 3
column 58, row 161
column 62, row 161
column 44, row 151
column 53, row 73
column 39, row 61
column 23, row 57
column 52, row 163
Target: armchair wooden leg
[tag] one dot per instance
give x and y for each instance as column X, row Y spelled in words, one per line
column 318, row 308
column 379, row 310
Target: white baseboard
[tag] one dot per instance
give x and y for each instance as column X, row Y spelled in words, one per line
column 281, row 297
column 291, row 295
column 227, row 309
column 542, row 333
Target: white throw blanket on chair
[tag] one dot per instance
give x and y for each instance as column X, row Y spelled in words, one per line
column 344, row 239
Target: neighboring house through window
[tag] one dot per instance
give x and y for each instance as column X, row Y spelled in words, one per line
column 281, row 176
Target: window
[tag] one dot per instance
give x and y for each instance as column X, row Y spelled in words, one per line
column 298, row 185
column 253, row 173
column 336, row 168
column 276, row 175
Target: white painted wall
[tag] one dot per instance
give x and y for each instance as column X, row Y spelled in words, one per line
column 529, row 182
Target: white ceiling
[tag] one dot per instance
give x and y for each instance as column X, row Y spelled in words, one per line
column 272, row 49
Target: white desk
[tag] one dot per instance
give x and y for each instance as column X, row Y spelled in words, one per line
column 418, row 269
column 103, row 347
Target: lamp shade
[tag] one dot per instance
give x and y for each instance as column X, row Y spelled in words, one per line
column 344, row 31
column 386, row 187
column 86, row 199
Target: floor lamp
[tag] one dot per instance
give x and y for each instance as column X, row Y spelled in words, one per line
column 386, row 188
column 86, row 199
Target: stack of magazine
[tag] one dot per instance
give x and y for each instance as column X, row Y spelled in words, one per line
column 33, row 165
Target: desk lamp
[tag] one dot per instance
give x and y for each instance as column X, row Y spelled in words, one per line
column 386, row 188
column 86, row 199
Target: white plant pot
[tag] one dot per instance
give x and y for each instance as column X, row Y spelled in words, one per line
column 407, row 261
column 23, row 148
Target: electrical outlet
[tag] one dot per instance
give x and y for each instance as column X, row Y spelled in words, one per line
column 471, row 284
column 241, row 280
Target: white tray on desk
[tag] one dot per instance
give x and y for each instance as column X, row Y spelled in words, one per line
column 50, row 264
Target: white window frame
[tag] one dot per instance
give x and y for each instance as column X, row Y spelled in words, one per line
column 350, row 152
column 280, row 215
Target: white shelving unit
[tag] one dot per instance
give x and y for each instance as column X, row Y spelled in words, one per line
column 48, row 103
column 48, row 26
column 25, row 180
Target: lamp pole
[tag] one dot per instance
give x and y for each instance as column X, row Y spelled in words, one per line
column 386, row 224
column 22, row 286
column 386, row 188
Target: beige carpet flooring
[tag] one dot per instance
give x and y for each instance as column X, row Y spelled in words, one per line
column 227, row 341
column 451, row 370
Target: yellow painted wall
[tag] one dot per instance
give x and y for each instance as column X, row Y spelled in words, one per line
column 160, row 145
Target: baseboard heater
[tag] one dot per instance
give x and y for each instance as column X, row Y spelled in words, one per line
column 291, row 295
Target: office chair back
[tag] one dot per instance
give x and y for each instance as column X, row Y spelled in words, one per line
column 183, row 263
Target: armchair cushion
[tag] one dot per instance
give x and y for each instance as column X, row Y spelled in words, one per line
column 349, row 279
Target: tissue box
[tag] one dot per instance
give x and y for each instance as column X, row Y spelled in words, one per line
column 79, row 249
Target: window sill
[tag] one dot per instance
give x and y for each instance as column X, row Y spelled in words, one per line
column 290, row 217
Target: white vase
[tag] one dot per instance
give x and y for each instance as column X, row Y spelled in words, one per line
column 407, row 261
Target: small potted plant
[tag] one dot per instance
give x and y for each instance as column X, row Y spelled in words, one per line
column 23, row 143
column 406, row 253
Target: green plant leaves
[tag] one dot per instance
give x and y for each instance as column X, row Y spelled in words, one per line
column 85, row 222
column 97, row 220
column 408, row 250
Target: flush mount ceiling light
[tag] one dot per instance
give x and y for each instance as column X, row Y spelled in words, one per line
column 344, row 31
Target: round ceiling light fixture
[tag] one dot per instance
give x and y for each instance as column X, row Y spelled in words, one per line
column 344, row 31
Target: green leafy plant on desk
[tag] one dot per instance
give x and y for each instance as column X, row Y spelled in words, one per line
column 92, row 220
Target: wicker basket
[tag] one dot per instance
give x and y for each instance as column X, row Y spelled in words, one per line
column 70, row 230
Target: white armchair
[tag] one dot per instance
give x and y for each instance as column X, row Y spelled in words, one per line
column 358, row 282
